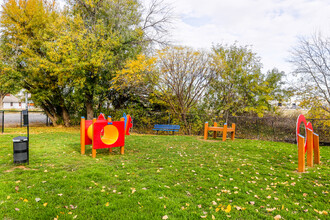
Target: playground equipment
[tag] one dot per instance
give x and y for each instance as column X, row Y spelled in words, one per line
column 104, row 133
column 224, row 130
column 309, row 144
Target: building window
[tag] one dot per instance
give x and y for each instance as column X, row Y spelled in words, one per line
column 11, row 104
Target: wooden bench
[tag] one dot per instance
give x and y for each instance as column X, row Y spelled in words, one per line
column 168, row 128
column 224, row 130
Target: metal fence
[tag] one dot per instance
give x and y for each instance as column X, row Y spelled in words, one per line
column 267, row 128
column 11, row 118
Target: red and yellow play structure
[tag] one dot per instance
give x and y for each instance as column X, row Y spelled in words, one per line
column 309, row 144
column 104, row 133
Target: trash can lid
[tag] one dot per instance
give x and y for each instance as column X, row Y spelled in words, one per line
column 20, row 139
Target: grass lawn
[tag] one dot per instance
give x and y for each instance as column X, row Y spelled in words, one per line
column 160, row 177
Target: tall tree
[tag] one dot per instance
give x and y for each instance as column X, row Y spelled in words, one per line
column 28, row 26
column 239, row 86
column 182, row 76
column 311, row 58
column 9, row 78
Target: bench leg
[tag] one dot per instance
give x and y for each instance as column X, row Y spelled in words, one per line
column 215, row 132
column 206, row 128
column 224, row 133
column 233, row 133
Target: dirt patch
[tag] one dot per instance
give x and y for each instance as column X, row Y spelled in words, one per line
column 18, row 167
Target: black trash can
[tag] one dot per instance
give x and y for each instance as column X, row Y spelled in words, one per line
column 21, row 149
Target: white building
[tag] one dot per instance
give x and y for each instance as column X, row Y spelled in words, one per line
column 12, row 102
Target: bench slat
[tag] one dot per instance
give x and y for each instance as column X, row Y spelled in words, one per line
column 162, row 127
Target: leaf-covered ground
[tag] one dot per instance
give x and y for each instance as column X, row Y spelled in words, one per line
column 159, row 177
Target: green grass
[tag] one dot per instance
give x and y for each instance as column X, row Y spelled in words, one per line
column 181, row 177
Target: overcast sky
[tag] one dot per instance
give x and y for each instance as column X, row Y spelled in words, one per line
column 271, row 27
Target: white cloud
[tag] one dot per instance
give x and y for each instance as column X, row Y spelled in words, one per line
column 270, row 26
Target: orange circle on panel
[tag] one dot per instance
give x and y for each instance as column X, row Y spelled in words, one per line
column 90, row 132
column 111, row 134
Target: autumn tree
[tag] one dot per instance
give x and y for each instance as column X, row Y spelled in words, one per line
column 311, row 58
column 28, row 26
column 66, row 58
column 9, row 78
column 181, row 77
column 239, row 85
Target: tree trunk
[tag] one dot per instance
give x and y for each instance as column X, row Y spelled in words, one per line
column 89, row 106
column 184, row 119
column 2, row 96
column 50, row 113
column 66, row 117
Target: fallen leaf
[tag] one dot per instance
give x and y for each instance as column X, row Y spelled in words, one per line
column 107, row 204
column 270, row 209
column 16, row 209
column 133, row 190
column 16, row 188
column 74, row 217
column 8, row 197
column 25, row 200
column 305, row 194
column 228, row 209
column 37, row 199
column 213, row 217
column 45, row 204
column 277, row 217
column 70, row 213
column 165, row 217
column 252, row 202
column 60, row 194
column 203, row 216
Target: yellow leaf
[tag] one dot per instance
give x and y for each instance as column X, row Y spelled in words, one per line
column 25, row 200
column 107, row 204
column 8, row 197
column 45, row 204
column 228, row 209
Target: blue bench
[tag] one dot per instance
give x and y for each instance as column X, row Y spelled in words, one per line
column 166, row 128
